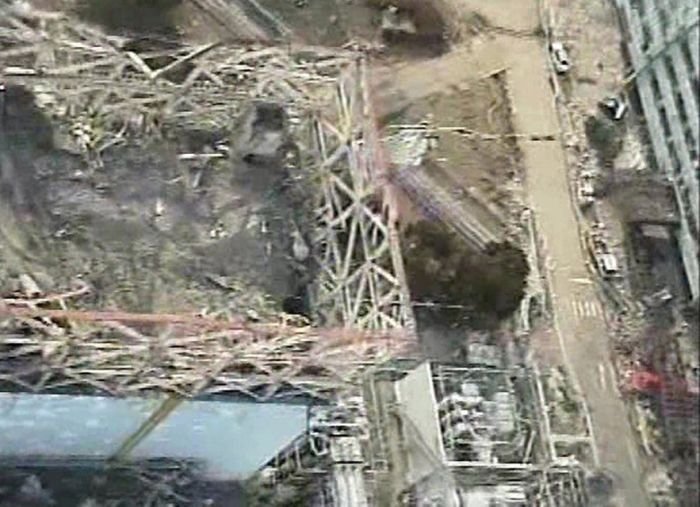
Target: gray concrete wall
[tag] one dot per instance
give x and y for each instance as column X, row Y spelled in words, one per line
column 662, row 37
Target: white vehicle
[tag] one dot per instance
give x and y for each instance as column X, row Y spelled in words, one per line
column 586, row 192
column 20, row 71
column 608, row 266
column 560, row 58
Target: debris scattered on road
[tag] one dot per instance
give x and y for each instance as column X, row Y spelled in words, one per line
column 615, row 107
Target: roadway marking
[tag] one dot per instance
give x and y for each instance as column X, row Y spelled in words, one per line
column 582, row 281
column 550, row 264
column 613, row 379
column 586, row 309
column 632, row 454
column 601, row 374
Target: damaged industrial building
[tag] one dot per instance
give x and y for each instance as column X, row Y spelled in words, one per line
column 244, row 265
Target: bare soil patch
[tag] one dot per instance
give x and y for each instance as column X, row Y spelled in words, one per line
column 327, row 22
column 484, row 168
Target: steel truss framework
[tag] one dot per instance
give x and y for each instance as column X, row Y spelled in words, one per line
column 263, row 362
column 102, row 90
column 362, row 281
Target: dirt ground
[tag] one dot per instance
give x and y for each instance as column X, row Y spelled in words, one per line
column 486, row 167
column 455, row 90
column 328, row 22
column 512, row 16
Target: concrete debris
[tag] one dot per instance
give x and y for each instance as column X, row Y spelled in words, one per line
column 396, row 21
column 501, row 494
column 159, row 207
column 33, row 493
column 658, row 298
column 659, row 483
column 633, row 154
column 199, row 156
column 263, row 134
column 218, row 231
column 655, row 232
column 252, row 315
column 300, row 250
column 28, row 286
column 407, row 148
column 479, row 354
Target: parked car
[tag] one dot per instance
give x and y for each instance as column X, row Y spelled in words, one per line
column 560, row 58
column 607, row 265
column 615, row 107
column 586, row 192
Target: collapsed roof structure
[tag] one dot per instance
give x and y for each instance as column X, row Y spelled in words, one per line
column 84, row 78
column 100, row 91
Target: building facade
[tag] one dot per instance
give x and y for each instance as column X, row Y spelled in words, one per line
column 662, row 40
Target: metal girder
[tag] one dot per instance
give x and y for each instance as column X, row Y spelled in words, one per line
column 59, row 57
column 269, row 362
column 361, row 280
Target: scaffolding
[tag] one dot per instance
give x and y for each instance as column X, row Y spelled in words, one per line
column 362, row 282
column 188, row 357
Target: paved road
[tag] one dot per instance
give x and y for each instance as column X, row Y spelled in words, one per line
column 578, row 315
column 579, row 318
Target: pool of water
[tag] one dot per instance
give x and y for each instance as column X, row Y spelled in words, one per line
column 231, row 439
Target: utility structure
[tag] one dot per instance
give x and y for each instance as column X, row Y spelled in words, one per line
column 474, row 433
column 662, row 41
